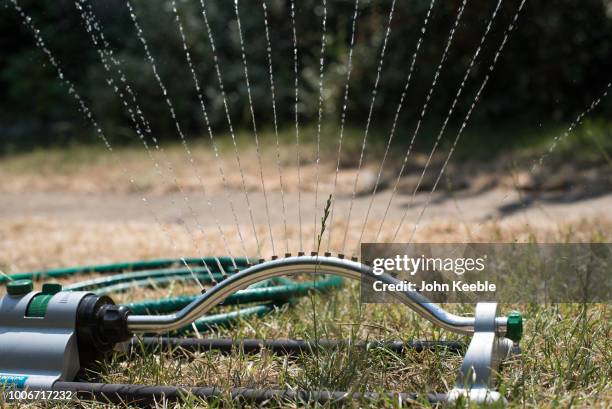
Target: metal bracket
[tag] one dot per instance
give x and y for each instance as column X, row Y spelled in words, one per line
column 478, row 373
column 35, row 352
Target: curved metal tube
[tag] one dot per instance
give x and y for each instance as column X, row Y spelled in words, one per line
column 297, row 265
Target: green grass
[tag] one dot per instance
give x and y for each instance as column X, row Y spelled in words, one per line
column 565, row 361
column 566, row 357
column 57, row 160
column 589, row 144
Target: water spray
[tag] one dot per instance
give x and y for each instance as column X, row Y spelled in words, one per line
column 48, row 337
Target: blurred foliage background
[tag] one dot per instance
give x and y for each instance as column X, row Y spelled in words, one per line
column 557, row 61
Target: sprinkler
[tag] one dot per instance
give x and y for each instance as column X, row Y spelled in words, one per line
column 47, row 336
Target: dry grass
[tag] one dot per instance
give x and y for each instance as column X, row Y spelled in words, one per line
column 566, row 359
column 567, row 348
column 42, row 243
column 93, row 169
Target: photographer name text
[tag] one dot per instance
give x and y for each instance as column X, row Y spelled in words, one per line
column 435, row 286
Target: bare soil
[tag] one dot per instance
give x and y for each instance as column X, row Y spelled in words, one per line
column 56, row 210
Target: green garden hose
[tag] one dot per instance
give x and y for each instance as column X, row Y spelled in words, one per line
column 158, row 273
column 128, row 266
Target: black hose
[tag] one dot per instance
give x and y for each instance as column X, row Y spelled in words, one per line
column 283, row 346
column 144, row 395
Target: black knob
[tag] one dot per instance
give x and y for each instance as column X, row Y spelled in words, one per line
column 100, row 325
column 113, row 323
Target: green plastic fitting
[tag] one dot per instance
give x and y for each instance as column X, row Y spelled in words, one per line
column 19, row 287
column 514, row 327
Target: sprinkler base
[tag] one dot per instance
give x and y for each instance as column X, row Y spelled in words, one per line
column 49, row 337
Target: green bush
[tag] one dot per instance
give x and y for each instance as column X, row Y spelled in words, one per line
column 556, row 62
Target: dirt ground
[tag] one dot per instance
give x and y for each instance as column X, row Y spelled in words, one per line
column 51, row 229
column 57, row 211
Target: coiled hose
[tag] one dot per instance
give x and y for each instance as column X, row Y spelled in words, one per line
column 266, row 295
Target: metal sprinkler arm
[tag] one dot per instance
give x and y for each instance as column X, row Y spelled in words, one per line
column 297, row 265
